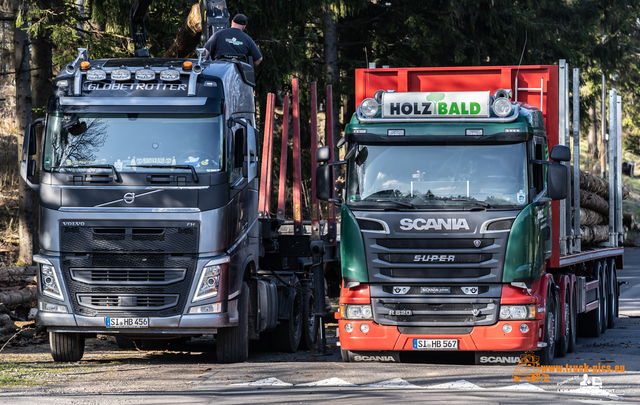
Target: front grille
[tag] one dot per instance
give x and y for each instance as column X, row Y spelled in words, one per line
column 121, row 275
column 453, row 289
column 435, row 273
column 127, row 302
column 126, row 239
column 416, row 319
column 462, row 306
column 436, row 312
column 134, row 276
column 452, row 243
column 427, row 258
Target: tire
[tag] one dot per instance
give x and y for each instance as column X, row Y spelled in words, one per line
column 612, row 295
column 66, row 347
column 547, row 353
column 574, row 322
column 309, row 321
column 233, row 343
column 602, row 297
column 287, row 335
column 563, row 341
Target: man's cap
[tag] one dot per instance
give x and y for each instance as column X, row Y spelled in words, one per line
column 240, row 19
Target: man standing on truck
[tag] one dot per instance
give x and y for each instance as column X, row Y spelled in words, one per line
column 233, row 42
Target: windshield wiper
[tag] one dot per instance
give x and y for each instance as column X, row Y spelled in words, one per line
column 187, row 167
column 403, row 203
column 476, row 202
column 97, row 166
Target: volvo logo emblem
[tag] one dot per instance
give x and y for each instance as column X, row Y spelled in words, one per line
column 477, row 243
column 129, row 198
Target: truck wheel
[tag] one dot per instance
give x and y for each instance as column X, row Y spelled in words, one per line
column 310, row 322
column 602, row 292
column 563, row 341
column 612, row 295
column 574, row 322
column 547, row 353
column 287, row 335
column 233, row 343
column 67, row 347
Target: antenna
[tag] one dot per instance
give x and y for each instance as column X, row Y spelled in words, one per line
column 366, row 85
column 521, row 55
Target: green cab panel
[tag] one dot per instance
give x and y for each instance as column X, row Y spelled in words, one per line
column 352, row 254
column 526, row 246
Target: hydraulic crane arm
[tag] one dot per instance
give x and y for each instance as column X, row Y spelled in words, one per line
column 137, row 28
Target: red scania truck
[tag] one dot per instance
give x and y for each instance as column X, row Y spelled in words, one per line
column 457, row 229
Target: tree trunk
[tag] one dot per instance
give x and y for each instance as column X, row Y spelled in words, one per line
column 589, row 217
column 23, row 118
column 332, row 72
column 594, row 234
column 18, row 271
column 188, row 37
column 18, row 296
column 629, row 219
column 592, row 145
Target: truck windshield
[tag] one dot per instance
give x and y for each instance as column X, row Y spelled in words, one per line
column 438, row 176
column 128, row 140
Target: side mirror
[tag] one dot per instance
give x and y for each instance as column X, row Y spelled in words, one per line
column 29, row 148
column 323, row 154
column 560, row 153
column 324, row 182
column 557, row 180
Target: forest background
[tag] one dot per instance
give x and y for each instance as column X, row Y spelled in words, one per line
column 322, row 41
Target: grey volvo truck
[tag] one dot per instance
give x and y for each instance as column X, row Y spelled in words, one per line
column 148, row 189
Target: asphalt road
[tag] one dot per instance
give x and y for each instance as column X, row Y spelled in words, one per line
column 425, row 377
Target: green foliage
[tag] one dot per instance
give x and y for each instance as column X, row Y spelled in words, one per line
column 596, row 35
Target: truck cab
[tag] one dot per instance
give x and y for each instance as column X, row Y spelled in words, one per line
column 446, row 216
column 146, row 178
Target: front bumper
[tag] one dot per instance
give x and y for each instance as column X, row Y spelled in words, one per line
column 481, row 338
column 178, row 325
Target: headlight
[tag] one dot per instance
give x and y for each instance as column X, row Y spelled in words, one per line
column 49, row 282
column 517, row 312
column 47, row 307
column 369, row 108
column 96, row 74
column 210, row 280
column 145, row 74
column 502, row 107
column 120, row 74
column 170, row 75
column 357, row 312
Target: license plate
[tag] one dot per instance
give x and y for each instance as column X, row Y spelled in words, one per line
column 435, row 344
column 127, row 322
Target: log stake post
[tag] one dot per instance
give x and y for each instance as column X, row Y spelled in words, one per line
column 613, row 129
column 576, row 161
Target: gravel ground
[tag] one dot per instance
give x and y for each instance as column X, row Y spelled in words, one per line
column 105, row 368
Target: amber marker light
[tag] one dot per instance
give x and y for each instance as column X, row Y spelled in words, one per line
column 85, row 65
column 187, row 65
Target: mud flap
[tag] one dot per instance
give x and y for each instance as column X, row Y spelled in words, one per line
column 380, row 357
column 498, row 358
